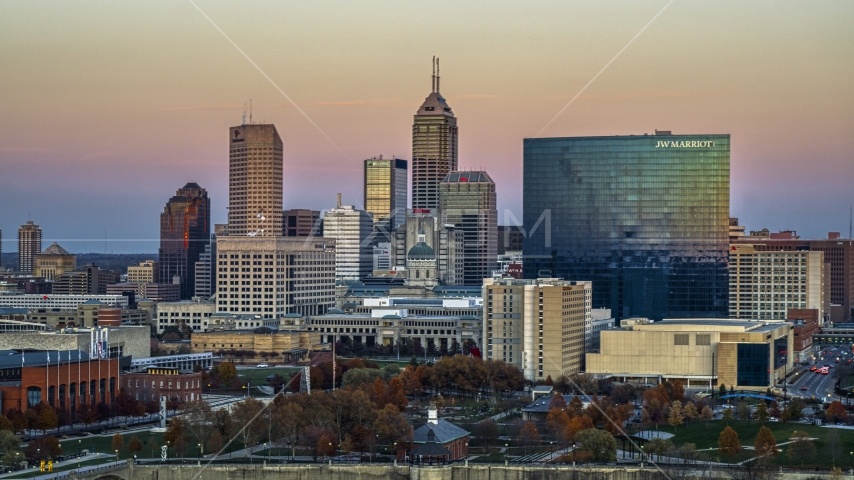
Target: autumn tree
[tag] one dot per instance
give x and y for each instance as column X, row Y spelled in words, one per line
column 226, row 372
column 576, row 425
column 118, row 442
column 743, row 411
column 135, row 445
column 557, row 401
column 556, row 421
column 728, row 443
column 727, row 415
column 197, row 417
column 214, row 442
column 657, row 446
column 800, row 447
column 690, row 411
column 43, row 447
column 836, row 412
column 600, row 445
column 528, row 436
column 765, row 443
column 485, row 431
column 176, row 434
column 676, row 417
column 576, row 406
column 395, row 394
column 391, row 427
column 762, row 412
column 247, row 422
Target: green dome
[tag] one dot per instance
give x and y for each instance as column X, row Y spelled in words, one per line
column 421, row 251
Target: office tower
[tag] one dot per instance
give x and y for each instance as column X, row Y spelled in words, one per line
column 538, row 325
column 467, row 201
column 274, row 276
column 185, row 228
column 146, row 272
column 509, row 239
column 434, row 146
column 382, row 256
column 255, row 181
column 838, row 254
column 87, row 280
column 645, row 218
column 764, row 285
column 204, row 270
column 301, row 222
column 385, row 191
column 352, row 231
column 53, row 261
column 29, row 245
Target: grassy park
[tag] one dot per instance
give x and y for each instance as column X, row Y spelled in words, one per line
column 705, row 436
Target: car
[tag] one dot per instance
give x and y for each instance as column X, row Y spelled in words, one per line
column 813, row 368
column 262, row 365
column 804, row 388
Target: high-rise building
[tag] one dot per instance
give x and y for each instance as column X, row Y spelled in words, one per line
column 29, row 245
column 301, row 222
column 434, row 146
column 255, row 181
column 185, row 228
column 645, row 218
column 385, row 191
column 538, row 325
column 274, row 276
column 351, row 229
column 53, row 261
column 467, row 201
column 765, row 285
column 838, row 255
column 146, row 272
column 204, row 271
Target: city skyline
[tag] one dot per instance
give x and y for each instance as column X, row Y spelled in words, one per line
column 142, row 93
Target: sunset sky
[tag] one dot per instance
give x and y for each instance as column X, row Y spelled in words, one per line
column 109, row 107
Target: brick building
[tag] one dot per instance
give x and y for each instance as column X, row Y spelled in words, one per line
column 806, row 323
column 62, row 379
column 155, row 382
column 441, row 432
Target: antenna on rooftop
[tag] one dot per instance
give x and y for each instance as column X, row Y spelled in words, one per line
column 437, row 74
column 244, row 114
column 433, row 77
column 849, row 222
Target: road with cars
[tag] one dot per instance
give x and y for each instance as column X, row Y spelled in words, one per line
column 814, row 384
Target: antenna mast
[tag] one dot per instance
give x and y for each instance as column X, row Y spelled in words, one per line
column 849, row 222
column 244, row 114
column 433, row 77
column 437, row 74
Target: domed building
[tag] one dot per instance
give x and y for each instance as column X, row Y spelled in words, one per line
column 421, row 264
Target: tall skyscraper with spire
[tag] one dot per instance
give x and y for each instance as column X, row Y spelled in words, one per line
column 434, row 146
column 255, row 181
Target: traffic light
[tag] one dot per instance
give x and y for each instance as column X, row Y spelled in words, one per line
column 41, row 465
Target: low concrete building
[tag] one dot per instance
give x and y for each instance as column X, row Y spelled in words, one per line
column 698, row 352
column 131, row 341
column 60, row 301
column 276, row 342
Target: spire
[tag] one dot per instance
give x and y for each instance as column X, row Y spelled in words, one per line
column 433, row 77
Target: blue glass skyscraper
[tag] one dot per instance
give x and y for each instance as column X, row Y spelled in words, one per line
column 643, row 217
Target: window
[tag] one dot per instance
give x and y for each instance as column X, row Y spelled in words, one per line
column 34, row 396
column 704, row 339
column 681, row 339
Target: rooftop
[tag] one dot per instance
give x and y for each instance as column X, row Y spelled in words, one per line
column 444, row 432
column 55, row 249
column 467, row 177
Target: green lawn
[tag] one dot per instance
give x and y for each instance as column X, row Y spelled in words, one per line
column 150, row 448
column 258, row 376
column 707, row 437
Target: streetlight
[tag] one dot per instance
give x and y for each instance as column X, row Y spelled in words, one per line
column 201, row 451
column 506, row 451
column 330, row 448
column 117, row 456
column 79, row 452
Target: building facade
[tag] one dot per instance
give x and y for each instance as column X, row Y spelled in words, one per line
column 764, row 285
column 645, row 218
column 155, row 382
column 352, row 230
column 29, row 245
column 467, row 201
column 447, row 242
column 161, row 292
column 386, row 190
column 87, row 280
column 277, row 342
column 301, row 222
column 273, row 276
column 61, row 383
column 194, row 313
column 838, row 254
column 185, row 228
column 53, row 261
column 703, row 352
column 255, row 181
column 434, row 146
column 204, row 271
column 146, row 272
column 537, row 325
